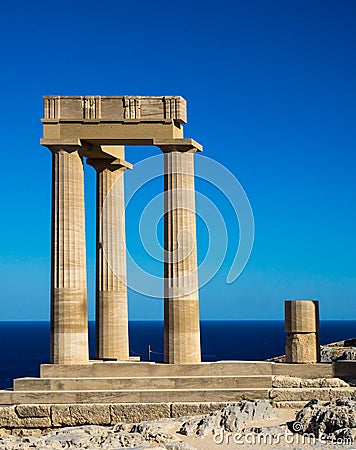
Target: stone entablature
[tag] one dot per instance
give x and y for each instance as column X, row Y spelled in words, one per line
column 115, row 108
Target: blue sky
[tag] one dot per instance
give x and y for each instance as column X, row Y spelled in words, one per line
column 271, row 95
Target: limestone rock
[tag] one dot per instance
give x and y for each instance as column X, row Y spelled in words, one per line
column 231, row 418
column 345, row 434
column 235, row 416
column 178, row 446
column 122, row 439
column 153, row 432
column 85, row 436
column 145, row 435
column 270, row 430
column 334, row 353
column 149, row 447
column 329, row 419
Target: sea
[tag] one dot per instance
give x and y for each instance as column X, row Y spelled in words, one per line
column 25, row 345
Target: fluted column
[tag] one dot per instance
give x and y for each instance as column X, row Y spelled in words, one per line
column 181, row 304
column 112, row 340
column 69, row 315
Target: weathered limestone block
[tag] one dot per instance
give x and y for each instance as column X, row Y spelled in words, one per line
column 305, row 394
column 137, row 412
column 281, row 381
column 324, row 382
column 181, row 409
column 75, row 415
column 33, row 411
column 302, row 348
column 299, row 394
column 295, row 382
column 9, row 419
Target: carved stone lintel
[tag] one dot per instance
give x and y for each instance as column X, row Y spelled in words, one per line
column 132, row 108
column 51, row 107
column 156, row 109
column 91, row 107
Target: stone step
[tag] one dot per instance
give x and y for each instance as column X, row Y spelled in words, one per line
column 280, row 396
column 134, row 369
column 131, row 396
column 146, row 383
column 307, row 394
column 319, row 370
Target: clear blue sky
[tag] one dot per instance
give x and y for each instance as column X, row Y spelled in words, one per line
column 271, row 91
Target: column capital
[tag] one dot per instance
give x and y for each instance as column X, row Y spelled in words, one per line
column 111, row 164
column 69, row 145
column 185, row 145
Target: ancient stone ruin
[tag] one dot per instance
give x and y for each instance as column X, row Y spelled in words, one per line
column 99, row 128
column 302, row 325
column 73, row 390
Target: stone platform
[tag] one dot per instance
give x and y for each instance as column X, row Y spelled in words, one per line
column 105, row 393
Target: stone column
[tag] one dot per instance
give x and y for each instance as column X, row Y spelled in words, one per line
column 302, row 325
column 112, row 341
column 181, row 304
column 69, row 315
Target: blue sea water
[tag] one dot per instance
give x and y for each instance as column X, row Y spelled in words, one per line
column 25, row 345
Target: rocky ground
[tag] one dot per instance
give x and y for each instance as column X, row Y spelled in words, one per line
column 239, row 425
column 339, row 351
